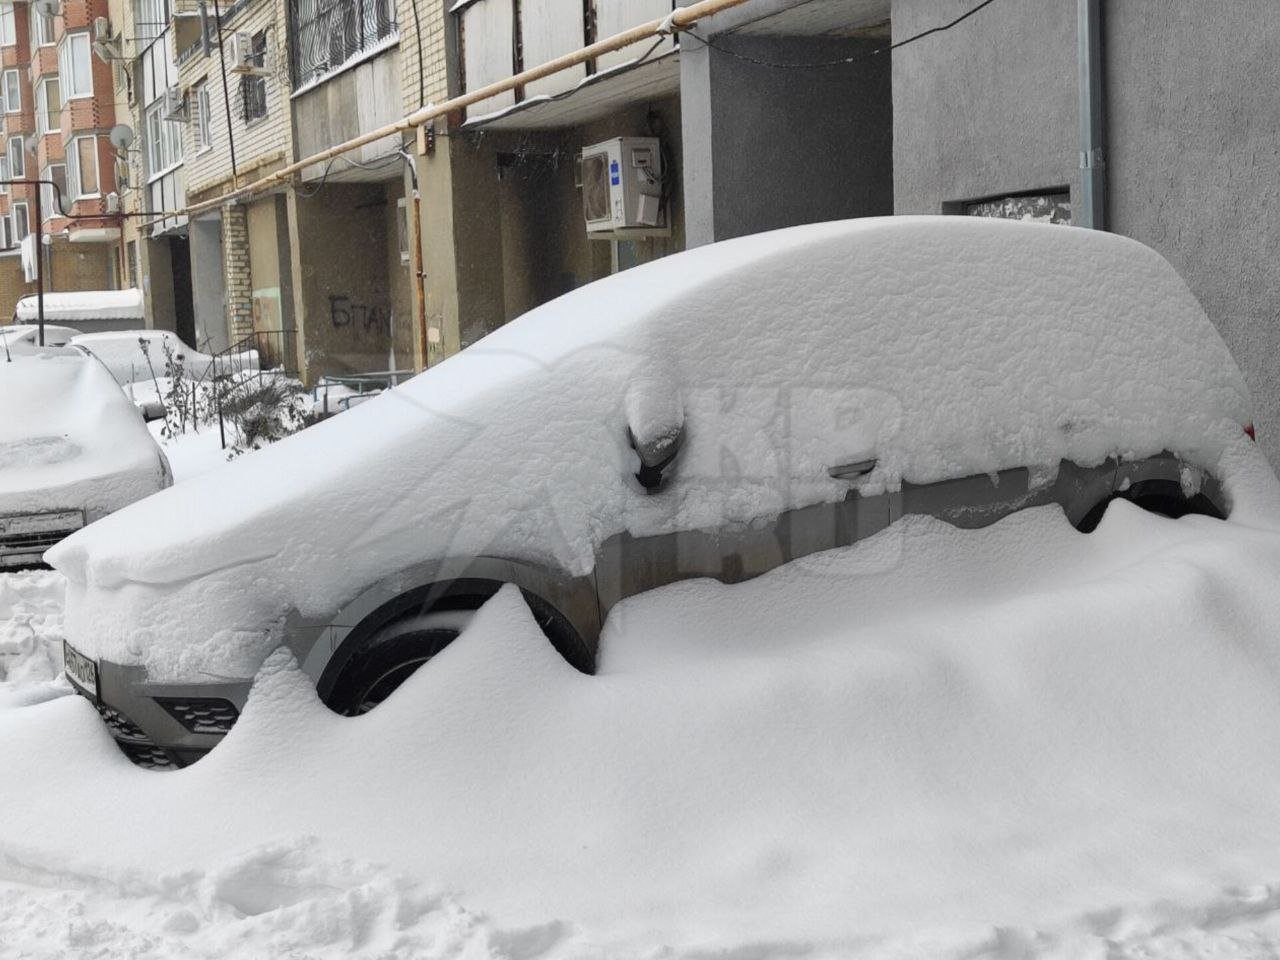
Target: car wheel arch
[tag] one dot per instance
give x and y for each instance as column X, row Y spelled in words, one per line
column 568, row 602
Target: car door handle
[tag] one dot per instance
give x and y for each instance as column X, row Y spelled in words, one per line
column 852, row 470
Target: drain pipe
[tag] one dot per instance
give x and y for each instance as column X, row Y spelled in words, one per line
column 1093, row 158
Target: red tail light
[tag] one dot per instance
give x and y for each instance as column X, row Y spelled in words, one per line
column 1249, row 432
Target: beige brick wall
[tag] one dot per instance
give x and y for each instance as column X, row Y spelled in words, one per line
column 431, row 14
column 260, row 145
column 236, row 271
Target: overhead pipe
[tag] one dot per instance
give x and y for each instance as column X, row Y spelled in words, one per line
column 1093, row 157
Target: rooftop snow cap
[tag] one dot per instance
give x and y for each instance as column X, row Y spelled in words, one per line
column 940, row 346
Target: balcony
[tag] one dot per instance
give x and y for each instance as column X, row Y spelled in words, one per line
column 491, row 50
column 331, row 35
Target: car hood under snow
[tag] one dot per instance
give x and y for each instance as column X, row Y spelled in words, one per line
column 939, row 346
column 69, row 439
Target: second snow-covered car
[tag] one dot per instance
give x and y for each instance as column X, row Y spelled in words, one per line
column 713, row 414
column 72, row 450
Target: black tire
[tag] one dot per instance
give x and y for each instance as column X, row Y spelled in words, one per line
column 385, row 659
column 1163, row 497
column 381, row 653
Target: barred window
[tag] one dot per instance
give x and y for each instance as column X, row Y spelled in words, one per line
column 327, row 34
column 253, row 87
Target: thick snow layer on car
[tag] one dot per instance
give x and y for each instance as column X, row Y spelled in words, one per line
column 940, row 346
column 70, row 440
column 1020, row 741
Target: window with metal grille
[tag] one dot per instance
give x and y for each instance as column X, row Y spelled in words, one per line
column 327, row 34
column 253, row 87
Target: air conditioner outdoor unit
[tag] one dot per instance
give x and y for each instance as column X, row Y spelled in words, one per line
column 240, row 57
column 175, row 104
column 622, row 188
column 101, row 30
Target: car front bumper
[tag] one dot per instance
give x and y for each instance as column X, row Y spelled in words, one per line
column 164, row 725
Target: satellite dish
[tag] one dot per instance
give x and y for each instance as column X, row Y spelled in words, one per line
column 49, row 8
column 121, row 134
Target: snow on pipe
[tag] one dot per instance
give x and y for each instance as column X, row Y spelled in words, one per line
column 679, row 18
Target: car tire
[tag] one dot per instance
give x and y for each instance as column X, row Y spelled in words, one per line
column 1163, row 497
column 385, row 659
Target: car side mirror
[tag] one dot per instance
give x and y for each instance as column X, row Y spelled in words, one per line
column 655, row 429
column 152, row 410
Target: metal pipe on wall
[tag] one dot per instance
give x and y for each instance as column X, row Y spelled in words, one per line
column 1093, row 158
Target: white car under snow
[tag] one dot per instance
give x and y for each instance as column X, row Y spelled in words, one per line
column 72, row 450
column 135, row 356
column 714, row 414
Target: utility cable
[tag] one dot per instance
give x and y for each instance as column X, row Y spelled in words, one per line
column 839, row 61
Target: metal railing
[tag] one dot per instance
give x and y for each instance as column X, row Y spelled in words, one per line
column 353, row 388
column 325, row 34
column 251, row 360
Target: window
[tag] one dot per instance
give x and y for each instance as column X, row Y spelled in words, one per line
column 150, row 17
column 82, row 167
column 4, row 174
column 164, row 140
column 253, row 90
column 331, row 32
column 8, row 35
column 74, row 68
column 6, row 234
column 200, row 115
column 21, row 225
column 52, row 200
column 12, row 92
column 41, row 29
column 48, row 111
column 17, row 160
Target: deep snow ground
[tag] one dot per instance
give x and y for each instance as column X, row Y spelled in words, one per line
column 1011, row 743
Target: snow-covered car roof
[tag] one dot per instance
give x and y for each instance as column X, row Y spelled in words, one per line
column 71, row 305
column 69, row 439
column 940, row 346
column 20, row 336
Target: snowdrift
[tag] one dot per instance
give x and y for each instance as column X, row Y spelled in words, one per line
column 1017, row 741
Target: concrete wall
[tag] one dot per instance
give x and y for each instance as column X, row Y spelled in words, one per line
column 208, row 285
column 260, row 145
column 986, row 108
column 769, row 147
column 991, row 108
column 1195, row 169
column 341, row 280
column 516, row 228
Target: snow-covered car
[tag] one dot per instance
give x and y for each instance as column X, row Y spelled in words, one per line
column 716, row 413
column 72, row 450
column 24, row 338
column 142, row 355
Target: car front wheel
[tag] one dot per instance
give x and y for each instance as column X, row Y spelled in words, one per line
column 385, row 659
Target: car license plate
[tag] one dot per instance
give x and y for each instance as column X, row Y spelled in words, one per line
column 81, row 671
column 28, row 523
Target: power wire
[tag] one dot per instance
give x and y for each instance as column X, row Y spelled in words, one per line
column 839, row 61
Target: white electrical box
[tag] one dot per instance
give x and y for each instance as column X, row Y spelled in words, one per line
column 622, row 188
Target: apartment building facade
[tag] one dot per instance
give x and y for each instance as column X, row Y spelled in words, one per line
column 59, row 109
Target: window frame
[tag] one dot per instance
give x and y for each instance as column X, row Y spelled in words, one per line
column 17, row 82
column 26, row 221
column 201, row 120
column 257, row 83
column 49, row 205
column 66, row 66
column 38, row 25
column 20, row 172
column 75, row 174
column 43, row 111
column 8, row 26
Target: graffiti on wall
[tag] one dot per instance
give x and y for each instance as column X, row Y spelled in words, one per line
column 361, row 317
